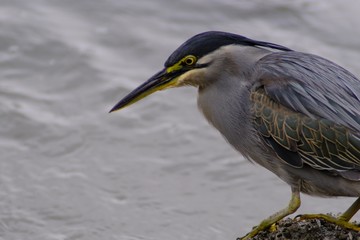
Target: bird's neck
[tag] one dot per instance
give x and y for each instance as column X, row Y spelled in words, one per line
column 226, row 107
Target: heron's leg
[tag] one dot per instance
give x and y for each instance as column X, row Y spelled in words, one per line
column 294, row 204
column 342, row 221
column 348, row 214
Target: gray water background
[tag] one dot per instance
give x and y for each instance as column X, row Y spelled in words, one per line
column 157, row 170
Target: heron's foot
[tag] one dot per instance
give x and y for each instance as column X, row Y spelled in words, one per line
column 338, row 221
column 270, row 222
column 264, row 225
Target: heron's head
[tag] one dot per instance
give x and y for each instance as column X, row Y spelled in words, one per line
column 189, row 64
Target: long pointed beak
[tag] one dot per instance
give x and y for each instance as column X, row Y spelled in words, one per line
column 159, row 81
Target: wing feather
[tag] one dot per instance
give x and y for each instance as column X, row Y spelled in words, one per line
column 307, row 109
column 311, row 85
column 299, row 139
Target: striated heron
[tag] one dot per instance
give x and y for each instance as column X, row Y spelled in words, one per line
column 294, row 113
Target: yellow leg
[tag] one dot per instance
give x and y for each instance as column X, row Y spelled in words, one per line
column 294, row 204
column 348, row 214
column 342, row 221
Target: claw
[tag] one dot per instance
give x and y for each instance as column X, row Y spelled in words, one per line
column 273, row 227
column 298, row 217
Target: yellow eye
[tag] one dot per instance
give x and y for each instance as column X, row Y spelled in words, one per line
column 190, row 60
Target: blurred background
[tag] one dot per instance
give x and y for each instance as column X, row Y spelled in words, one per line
column 157, row 170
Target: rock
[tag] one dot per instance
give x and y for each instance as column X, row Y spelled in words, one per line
column 312, row 229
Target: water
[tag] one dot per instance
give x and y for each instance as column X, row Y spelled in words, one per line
column 69, row 170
